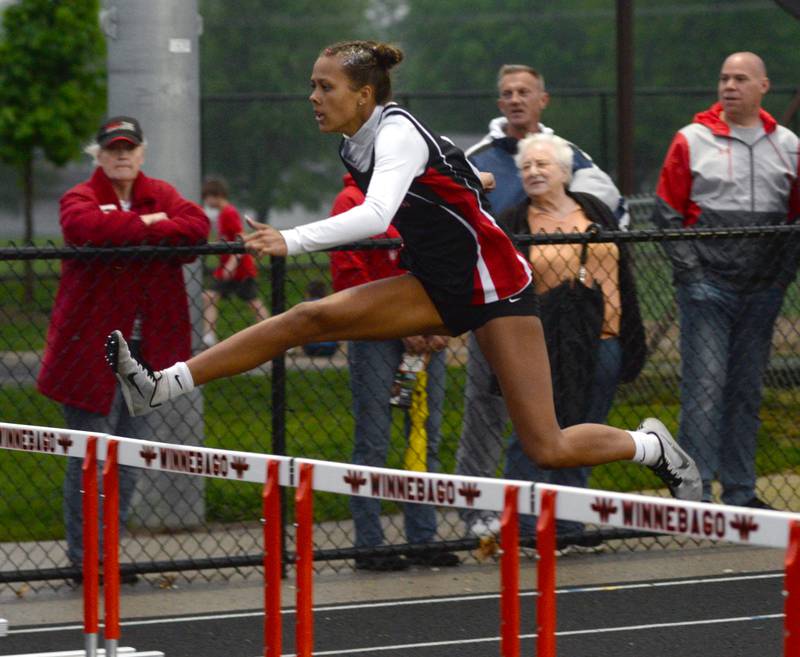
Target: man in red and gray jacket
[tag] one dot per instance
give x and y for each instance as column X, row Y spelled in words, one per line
column 733, row 166
column 144, row 297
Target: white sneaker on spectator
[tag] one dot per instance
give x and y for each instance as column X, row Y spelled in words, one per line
column 675, row 467
column 142, row 389
column 493, row 525
column 485, row 526
column 209, row 339
column 477, row 529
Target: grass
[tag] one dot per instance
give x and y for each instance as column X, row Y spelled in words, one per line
column 23, row 322
column 320, row 425
column 319, row 422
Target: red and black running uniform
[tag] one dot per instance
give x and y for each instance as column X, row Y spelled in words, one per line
column 451, row 243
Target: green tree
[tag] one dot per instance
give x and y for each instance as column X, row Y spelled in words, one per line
column 267, row 145
column 52, row 85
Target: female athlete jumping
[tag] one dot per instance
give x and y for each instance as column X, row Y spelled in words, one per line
column 465, row 274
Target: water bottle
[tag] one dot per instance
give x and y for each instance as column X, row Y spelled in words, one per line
column 405, row 380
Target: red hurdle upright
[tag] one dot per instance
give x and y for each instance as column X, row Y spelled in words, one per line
column 546, row 577
column 791, row 621
column 273, row 628
column 111, row 548
column 91, row 555
column 304, row 560
column 509, row 575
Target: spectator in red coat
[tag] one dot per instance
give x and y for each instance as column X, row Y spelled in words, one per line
column 237, row 272
column 145, row 297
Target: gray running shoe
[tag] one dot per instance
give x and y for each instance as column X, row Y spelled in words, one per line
column 675, row 467
column 142, row 389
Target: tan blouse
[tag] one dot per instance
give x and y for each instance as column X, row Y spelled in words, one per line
column 554, row 263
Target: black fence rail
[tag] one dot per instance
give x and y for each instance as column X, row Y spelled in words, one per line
column 301, row 405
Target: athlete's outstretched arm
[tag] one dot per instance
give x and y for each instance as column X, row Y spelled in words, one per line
column 401, row 154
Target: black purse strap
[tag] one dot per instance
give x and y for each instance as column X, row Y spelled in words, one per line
column 592, row 229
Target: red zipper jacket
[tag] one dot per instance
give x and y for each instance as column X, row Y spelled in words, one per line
column 99, row 295
column 351, row 268
column 713, row 179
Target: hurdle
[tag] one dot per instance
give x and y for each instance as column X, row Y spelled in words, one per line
column 115, row 451
column 623, row 510
column 306, row 475
column 697, row 520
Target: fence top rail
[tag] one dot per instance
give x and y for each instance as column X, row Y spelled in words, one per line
column 623, row 510
column 54, row 252
column 67, row 252
column 698, row 520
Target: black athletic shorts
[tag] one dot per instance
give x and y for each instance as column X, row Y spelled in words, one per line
column 460, row 318
column 245, row 289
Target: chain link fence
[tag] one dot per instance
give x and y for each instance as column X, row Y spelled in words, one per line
column 301, row 405
column 585, row 117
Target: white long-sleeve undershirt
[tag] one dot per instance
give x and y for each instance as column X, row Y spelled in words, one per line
column 401, row 155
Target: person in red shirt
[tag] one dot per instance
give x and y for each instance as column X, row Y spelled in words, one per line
column 372, row 365
column 117, row 206
column 236, row 273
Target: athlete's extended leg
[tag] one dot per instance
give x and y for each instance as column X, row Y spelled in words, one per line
column 515, row 348
column 385, row 309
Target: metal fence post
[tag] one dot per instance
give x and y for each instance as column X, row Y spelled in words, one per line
column 278, row 286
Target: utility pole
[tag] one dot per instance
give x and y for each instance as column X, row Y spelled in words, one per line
column 154, row 76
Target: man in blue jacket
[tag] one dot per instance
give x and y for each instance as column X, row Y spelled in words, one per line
column 522, row 99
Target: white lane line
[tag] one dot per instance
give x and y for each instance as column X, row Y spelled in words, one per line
column 409, row 603
column 496, row 639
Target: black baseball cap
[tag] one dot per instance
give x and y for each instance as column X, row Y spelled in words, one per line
column 119, row 128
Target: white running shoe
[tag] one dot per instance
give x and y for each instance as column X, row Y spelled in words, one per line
column 675, row 467
column 142, row 389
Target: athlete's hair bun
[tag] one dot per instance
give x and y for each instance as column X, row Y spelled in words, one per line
column 367, row 62
column 387, row 55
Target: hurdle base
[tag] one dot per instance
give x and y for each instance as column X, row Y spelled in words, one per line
column 125, row 652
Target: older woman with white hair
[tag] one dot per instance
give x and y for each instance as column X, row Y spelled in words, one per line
column 591, row 316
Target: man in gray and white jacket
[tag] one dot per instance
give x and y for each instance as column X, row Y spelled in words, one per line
column 732, row 166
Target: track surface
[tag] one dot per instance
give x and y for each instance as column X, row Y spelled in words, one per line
column 731, row 616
